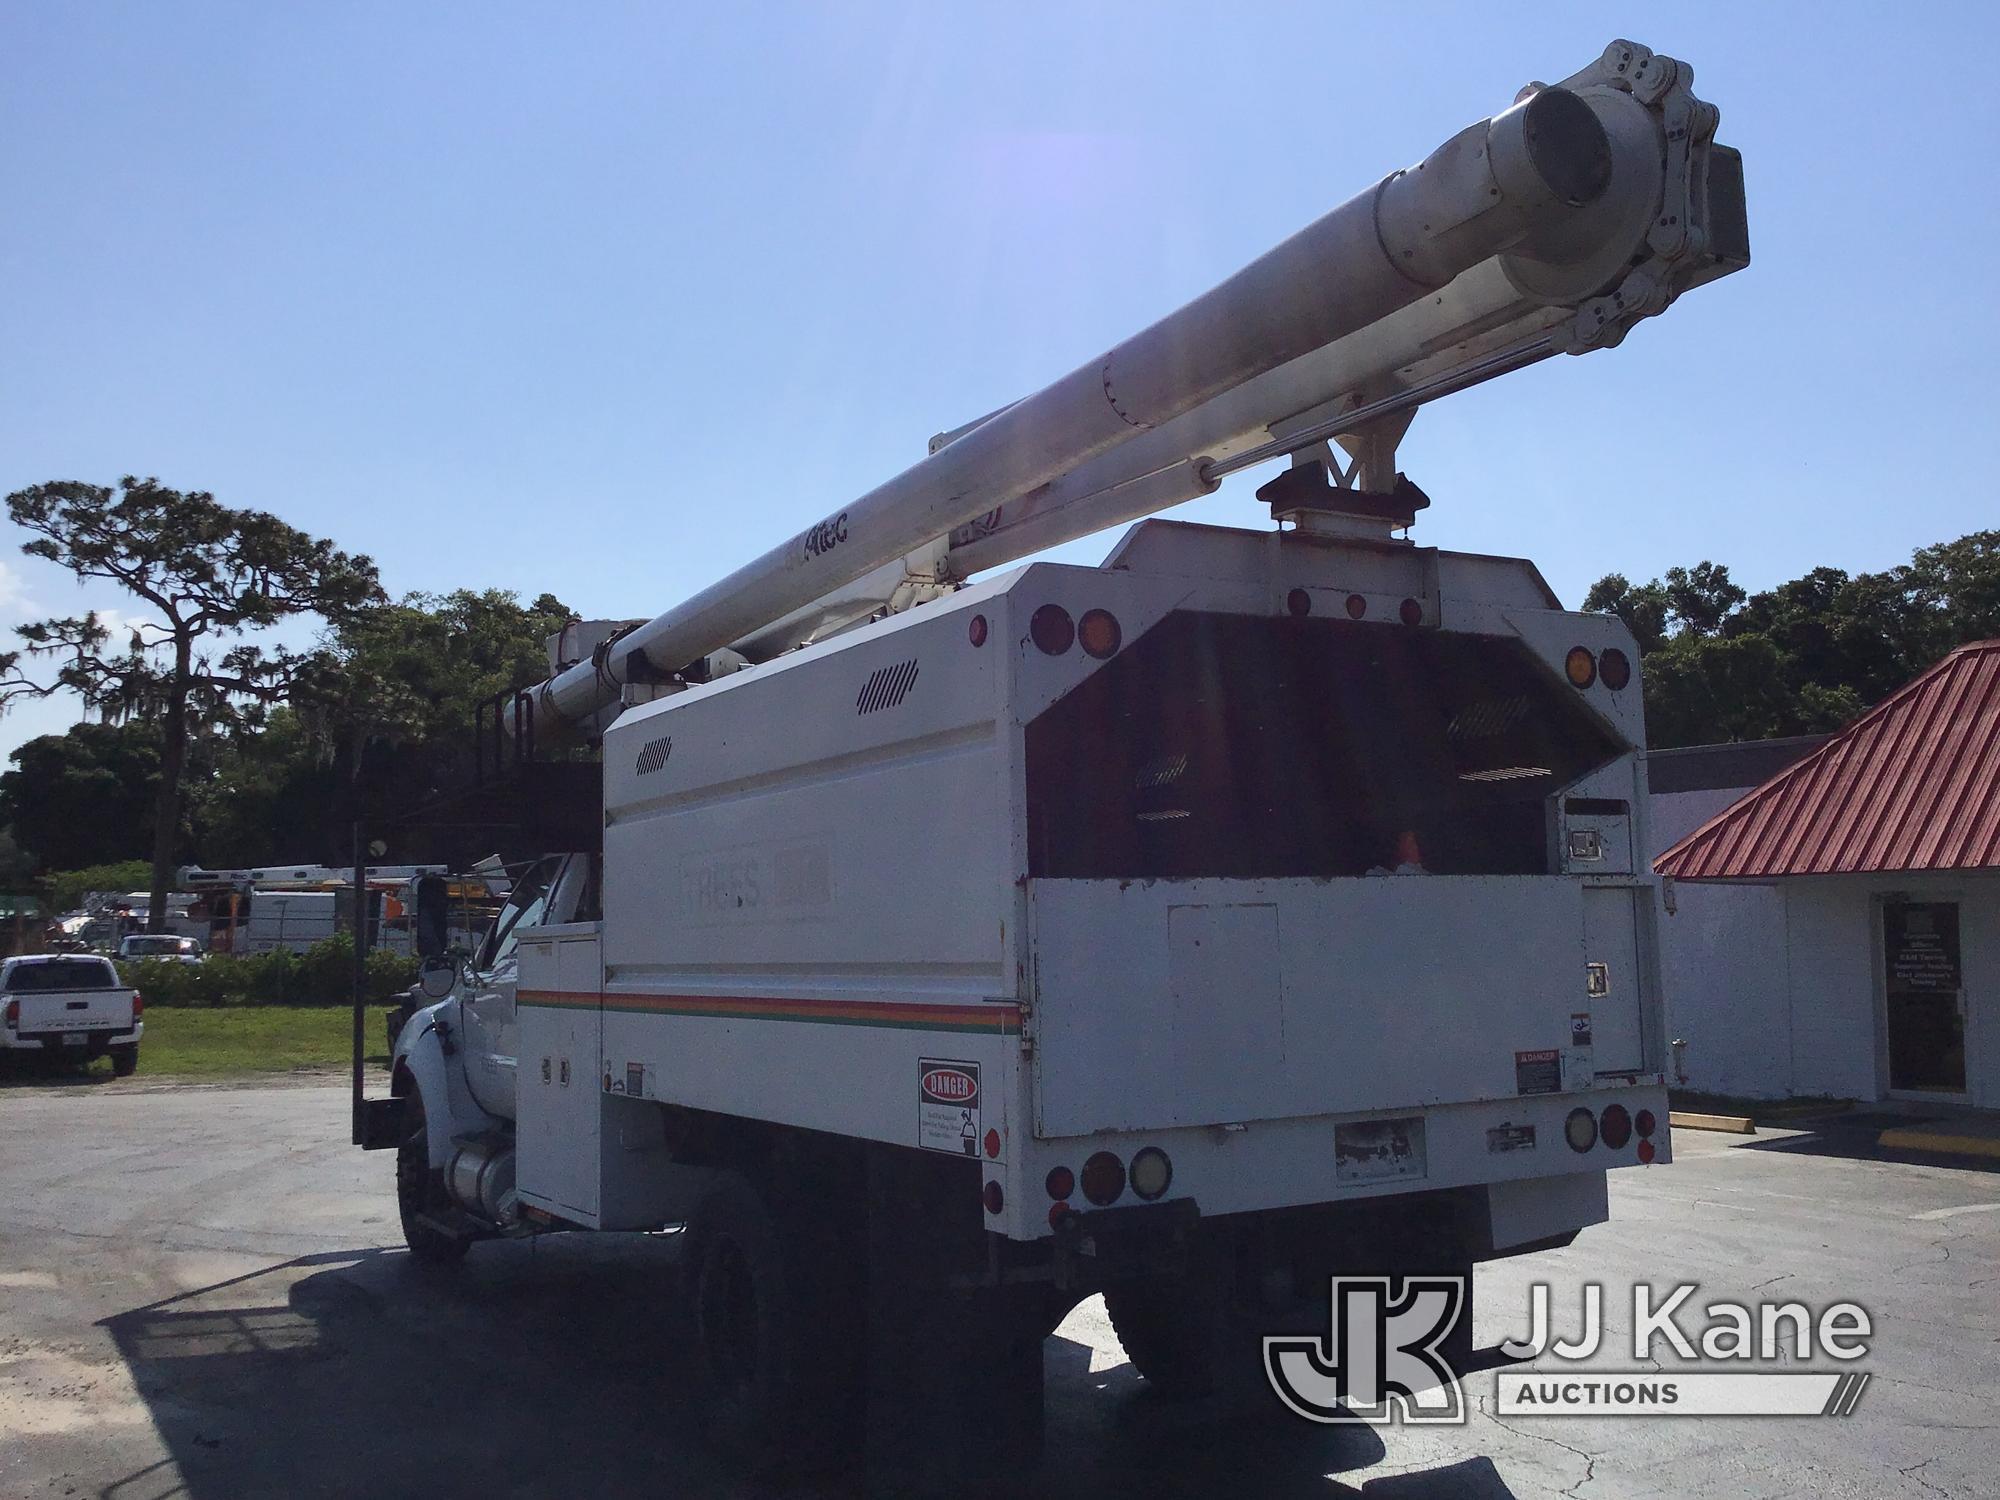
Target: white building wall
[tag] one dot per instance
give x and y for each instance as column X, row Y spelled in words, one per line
column 1833, row 940
column 1777, row 988
column 1839, row 1037
column 1723, row 964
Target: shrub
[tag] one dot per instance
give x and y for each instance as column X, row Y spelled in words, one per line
column 322, row 975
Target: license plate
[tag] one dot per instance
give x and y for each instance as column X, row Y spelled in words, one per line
column 75, row 1039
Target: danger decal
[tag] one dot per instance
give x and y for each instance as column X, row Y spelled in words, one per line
column 948, row 1107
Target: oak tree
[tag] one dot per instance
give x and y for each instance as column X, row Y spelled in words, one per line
column 206, row 576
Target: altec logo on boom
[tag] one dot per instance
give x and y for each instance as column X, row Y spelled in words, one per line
column 1382, row 1360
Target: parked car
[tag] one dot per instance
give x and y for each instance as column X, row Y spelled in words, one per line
column 70, row 1005
column 164, row 947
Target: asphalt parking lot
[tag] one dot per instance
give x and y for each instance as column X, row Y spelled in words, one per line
column 202, row 1295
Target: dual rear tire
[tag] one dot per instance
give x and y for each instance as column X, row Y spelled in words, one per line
column 774, row 1316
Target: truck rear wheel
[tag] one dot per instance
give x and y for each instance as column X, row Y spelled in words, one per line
column 420, row 1194
column 762, row 1345
column 1170, row 1329
column 124, row 1060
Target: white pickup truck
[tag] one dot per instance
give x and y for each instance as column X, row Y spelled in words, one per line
column 71, row 1005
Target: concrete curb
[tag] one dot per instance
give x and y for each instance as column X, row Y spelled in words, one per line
column 1682, row 1119
column 1944, row 1141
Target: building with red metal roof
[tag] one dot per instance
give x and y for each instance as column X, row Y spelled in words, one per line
column 1914, row 784
column 1836, row 929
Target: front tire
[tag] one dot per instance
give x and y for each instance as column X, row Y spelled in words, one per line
column 124, row 1060
column 420, row 1194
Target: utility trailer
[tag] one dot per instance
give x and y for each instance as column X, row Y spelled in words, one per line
column 1256, row 907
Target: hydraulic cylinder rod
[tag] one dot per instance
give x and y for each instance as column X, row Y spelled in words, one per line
column 1510, row 182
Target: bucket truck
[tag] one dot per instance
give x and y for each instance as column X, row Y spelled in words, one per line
column 1261, row 905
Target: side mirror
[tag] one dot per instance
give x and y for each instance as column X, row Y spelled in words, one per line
column 433, row 931
column 437, row 976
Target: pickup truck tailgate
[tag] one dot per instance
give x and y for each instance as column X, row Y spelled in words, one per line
column 76, row 1010
column 60, row 997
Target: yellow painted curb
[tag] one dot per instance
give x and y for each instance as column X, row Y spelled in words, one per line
column 1732, row 1124
column 1909, row 1139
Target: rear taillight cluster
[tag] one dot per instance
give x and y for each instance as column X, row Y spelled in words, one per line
column 1612, row 1128
column 13, row 1014
column 1611, row 667
column 138, row 1005
column 1105, row 1179
column 1054, row 632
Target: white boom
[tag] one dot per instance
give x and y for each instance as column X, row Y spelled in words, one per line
column 1551, row 227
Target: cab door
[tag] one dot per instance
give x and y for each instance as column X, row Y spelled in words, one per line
column 549, row 891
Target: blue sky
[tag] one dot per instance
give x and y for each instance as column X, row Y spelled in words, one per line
column 606, row 300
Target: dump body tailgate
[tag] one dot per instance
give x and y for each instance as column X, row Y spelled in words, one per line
column 1207, row 1002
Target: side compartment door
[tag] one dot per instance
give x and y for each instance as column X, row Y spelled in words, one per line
column 561, row 1071
column 1611, row 992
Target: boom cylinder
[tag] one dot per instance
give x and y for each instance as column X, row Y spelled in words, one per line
column 1503, row 183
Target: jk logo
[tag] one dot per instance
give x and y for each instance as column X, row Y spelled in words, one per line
column 1381, row 1362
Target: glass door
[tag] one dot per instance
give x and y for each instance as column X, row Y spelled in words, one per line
column 1925, row 997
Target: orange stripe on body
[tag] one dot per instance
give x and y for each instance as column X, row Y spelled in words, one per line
column 1002, row 1019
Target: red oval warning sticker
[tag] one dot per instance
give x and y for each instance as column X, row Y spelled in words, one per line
column 950, row 1086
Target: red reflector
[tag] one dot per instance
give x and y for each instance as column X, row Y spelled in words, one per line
column 975, row 630
column 995, row 1198
column 1299, row 604
column 1615, row 1127
column 1052, row 630
column 1356, row 606
column 1061, row 1182
column 1580, row 667
column 1646, row 1152
column 1098, row 633
column 992, row 1143
column 1057, row 1213
column 1615, row 667
column 1412, row 612
column 1103, row 1179
column 1645, row 1122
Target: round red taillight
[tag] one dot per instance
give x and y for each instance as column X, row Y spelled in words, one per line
column 1061, row 1182
column 1298, row 604
column 995, row 1196
column 1646, row 1153
column 1615, row 1127
column 975, row 630
column 1580, row 1130
column 1356, row 606
column 1057, row 1213
column 992, row 1143
column 1103, row 1179
column 1645, row 1122
column 1580, row 667
column 1052, row 630
column 1098, row 633
column 1615, row 667
column 1412, row 612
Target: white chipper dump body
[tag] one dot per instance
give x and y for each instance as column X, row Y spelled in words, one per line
column 1258, row 906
